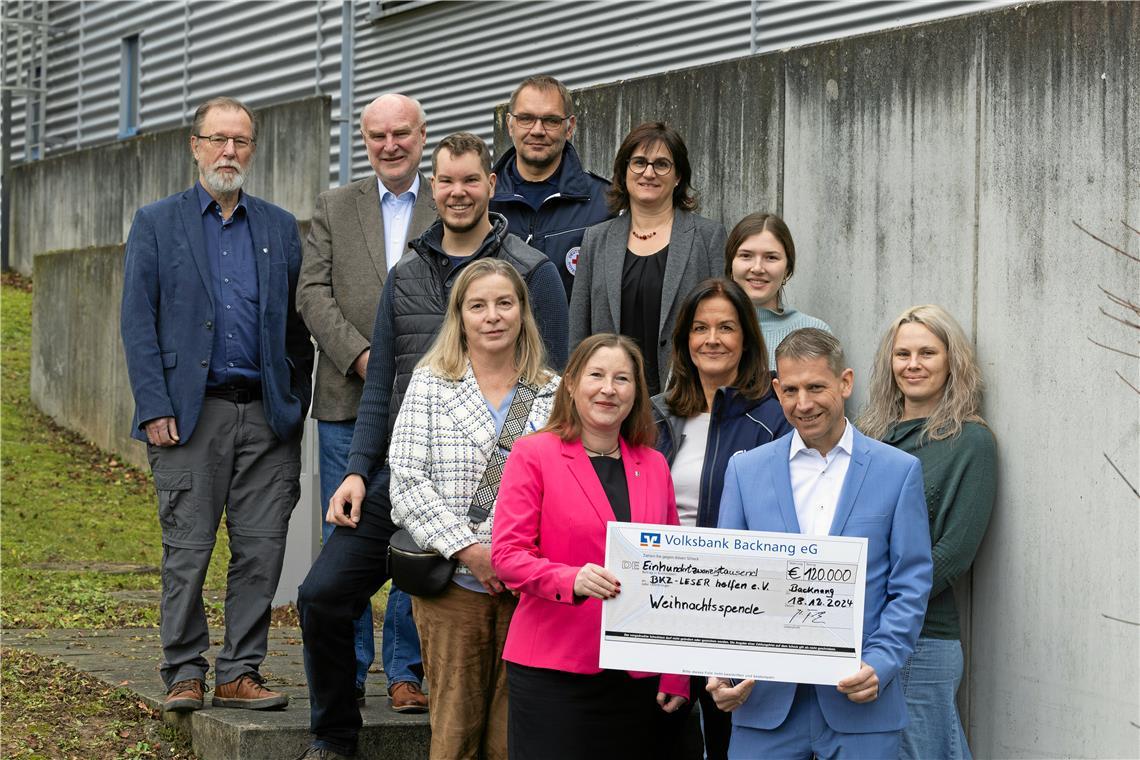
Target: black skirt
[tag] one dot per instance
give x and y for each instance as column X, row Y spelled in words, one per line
column 553, row 715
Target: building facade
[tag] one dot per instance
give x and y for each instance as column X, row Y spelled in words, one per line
column 80, row 73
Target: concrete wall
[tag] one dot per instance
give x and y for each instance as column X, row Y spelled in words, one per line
column 947, row 163
column 79, row 376
column 79, row 379
column 71, row 216
column 89, row 197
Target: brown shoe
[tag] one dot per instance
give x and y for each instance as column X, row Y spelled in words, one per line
column 184, row 696
column 317, row 753
column 407, row 698
column 248, row 692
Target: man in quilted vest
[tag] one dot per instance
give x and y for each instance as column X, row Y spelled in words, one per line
column 353, row 565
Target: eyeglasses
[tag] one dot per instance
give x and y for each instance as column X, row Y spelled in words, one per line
column 219, row 141
column 549, row 123
column 661, row 166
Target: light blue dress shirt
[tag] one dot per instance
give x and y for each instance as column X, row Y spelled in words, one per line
column 470, row 582
column 397, row 213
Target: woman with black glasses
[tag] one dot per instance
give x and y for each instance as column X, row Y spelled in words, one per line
column 634, row 270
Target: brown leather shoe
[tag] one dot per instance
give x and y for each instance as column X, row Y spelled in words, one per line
column 318, row 753
column 407, row 698
column 185, row 696
column 247, row 692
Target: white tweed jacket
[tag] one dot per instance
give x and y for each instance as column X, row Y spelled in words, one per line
column 443, row 438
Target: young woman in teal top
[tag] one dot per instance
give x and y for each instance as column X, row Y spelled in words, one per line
column 925, row 399
column 760, row 257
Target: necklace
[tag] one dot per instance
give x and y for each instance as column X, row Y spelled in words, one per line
column 639, row 236
column 609, row 453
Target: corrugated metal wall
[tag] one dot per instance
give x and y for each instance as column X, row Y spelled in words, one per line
column 22, row 42
column 260, row 52
column 778, row 24
column 327, row 71
column 459, row 58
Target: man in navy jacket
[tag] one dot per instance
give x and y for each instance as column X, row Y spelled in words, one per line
column 220, row 365
column 547, row 197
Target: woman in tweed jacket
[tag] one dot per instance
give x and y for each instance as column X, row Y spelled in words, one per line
column 449, row 425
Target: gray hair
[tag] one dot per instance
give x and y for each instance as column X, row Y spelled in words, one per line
column 813, row 343
column 420, row 115
column 223, row 102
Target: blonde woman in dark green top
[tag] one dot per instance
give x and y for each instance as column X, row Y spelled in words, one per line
column 925, row 399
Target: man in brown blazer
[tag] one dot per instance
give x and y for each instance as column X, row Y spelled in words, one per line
column 359, row 232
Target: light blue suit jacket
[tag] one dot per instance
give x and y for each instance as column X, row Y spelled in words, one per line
column 882, row 500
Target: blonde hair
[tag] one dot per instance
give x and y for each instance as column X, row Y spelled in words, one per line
column 638, row 428
column 447, row 356
column 961, row 396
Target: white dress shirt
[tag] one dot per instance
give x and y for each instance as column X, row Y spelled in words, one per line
column 688, row 465
column 397, row 212
column 817, row 481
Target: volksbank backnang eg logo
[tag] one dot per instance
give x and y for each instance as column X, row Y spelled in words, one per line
column 651, row 540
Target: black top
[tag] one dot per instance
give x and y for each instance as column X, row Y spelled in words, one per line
column 642, row 280
column 611, row 473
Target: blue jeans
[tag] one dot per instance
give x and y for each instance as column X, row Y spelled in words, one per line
column 930, row 681
column 400, row 645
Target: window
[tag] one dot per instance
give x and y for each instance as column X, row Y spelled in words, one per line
column 34, row 117
column 382, row 9
column 129, row 86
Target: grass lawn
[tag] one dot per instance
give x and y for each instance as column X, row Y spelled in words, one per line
column 78, row 527
column 79, row 533
column 80, row 547
column 52, row 711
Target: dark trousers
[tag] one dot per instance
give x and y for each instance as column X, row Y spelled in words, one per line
column 682, row 731
column 351, row 568
column 232, row 462
column 717, row 727
column 554, row 715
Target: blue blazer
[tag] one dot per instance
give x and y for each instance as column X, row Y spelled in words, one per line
column 167, row 316
column 882, row 500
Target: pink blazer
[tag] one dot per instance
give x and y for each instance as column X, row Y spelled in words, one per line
column 550, row 519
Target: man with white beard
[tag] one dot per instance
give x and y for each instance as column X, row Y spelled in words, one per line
column 220, row 365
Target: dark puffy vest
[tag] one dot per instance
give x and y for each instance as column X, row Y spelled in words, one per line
column 419, row 300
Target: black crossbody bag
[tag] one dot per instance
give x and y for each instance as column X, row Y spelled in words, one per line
column 422, row 572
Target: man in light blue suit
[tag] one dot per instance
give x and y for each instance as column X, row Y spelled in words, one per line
column 826, row 478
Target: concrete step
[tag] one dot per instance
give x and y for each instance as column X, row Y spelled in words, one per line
column 129, row 657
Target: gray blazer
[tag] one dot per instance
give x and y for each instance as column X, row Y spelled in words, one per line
column 343, row 270
column 696, row 252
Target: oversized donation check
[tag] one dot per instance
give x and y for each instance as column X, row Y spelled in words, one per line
column 734, row 603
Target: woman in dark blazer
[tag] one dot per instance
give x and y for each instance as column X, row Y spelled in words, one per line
column 719, row 401
column 635, row 269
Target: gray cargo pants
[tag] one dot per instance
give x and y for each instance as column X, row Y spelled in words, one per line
column 232, row 462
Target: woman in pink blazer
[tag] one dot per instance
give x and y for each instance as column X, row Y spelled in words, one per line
column 592, row 464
